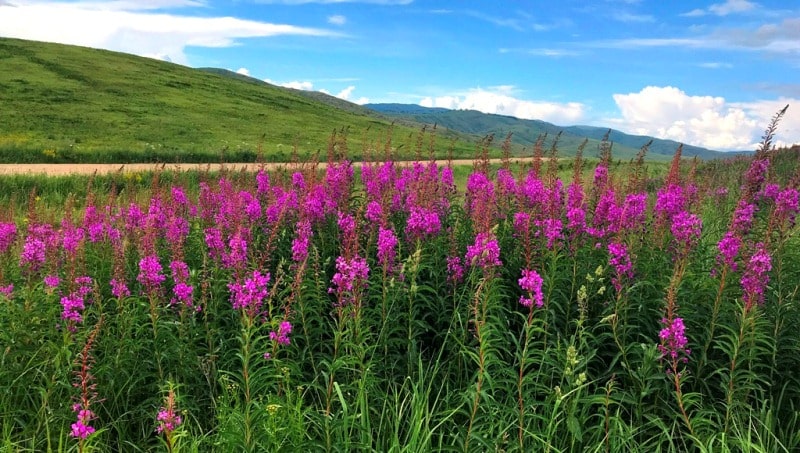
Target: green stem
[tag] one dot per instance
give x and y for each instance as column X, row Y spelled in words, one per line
column 732, row 369
column 520, row 398
column 246, row 333
column 480, row 321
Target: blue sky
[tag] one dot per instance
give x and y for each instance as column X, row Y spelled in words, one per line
column 708, row 73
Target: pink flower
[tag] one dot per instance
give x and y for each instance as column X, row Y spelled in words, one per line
column 351, row 275
column 8, row 234
column 150, row 275
column 387, row 245
column 237, row 257
column 484, row 253
column 250, row 295
column 787, row 203
column 673, row 340
column 301, row 241
column 52, row 281
column 282, row 335
column 7, row 290
column 686, row 228
column 81, row 428
column 168, row 420
column 633, row 211
column 262, row 182
column 552, row 231
column 374, row 212
column 33, row 254
column 531, row 282
column 600, row 176
column 755, row 278
column 743, row 218
column 421, row 223
column 621, row 262
column 728, row 248
column 119, row 288
column 670, row 201
column 183, row 294
column 455, row 270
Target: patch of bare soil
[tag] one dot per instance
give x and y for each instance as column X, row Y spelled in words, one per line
column 88, row 169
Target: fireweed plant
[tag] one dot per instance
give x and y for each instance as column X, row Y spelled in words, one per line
column 393, row 306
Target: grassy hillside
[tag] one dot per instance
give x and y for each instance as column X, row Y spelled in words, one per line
column 66, row 103
column 526, row 132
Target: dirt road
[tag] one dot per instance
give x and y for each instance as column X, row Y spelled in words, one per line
column 88, row 169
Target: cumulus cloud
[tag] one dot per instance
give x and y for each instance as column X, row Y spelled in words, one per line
column 348, row 92
column 500, row 100
column 708, row 121
column 243, row 71
column 141, row 28
column 305, row 85
column 337, row 19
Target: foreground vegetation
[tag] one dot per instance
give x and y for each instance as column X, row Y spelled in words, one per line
column 397, row 310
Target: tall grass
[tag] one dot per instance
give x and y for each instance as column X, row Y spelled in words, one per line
column 531, row 308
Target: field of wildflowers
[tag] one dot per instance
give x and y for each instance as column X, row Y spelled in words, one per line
column 395, row 310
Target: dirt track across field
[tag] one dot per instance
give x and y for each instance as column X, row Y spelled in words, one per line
column 88, row 169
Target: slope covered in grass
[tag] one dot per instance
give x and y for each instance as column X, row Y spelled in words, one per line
column 66, row 103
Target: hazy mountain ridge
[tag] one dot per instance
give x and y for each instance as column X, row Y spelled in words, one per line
column 527, row 131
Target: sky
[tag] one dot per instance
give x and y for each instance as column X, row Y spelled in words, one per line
column 705, row 73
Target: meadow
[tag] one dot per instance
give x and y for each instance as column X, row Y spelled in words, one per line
column 554, row 306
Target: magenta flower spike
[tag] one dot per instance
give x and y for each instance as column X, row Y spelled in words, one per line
column 531, row 283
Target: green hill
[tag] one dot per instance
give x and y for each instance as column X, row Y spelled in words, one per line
column 66, row 103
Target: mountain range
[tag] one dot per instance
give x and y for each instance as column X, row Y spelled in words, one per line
column 526, row 132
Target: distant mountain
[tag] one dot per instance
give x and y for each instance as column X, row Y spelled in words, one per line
column 659, row 146
column 526, row 132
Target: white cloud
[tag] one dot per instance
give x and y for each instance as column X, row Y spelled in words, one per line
column 295, row 84
column 628, row 17
column 134, row 27
column 347, row 92
column 337, row 19
column 542, row 52
column 697, row 12
column 243, row 71
column 723, row 9
column 129, row 5
column 344, row 94
column 500, row 100
column 782, row 38
column 708, row 121
column 715, row 65
column 732, row 6
column 306, row 85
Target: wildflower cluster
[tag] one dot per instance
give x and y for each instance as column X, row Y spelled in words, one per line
column 351, row 275
column 531, row 283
